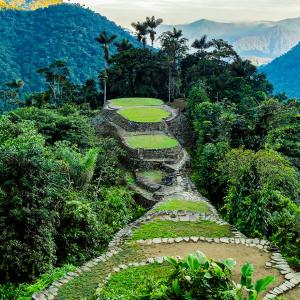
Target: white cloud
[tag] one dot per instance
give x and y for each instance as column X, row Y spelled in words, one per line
column 183, row 11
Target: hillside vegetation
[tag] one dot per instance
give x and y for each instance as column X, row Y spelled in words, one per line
column 284, row 73
column 27, row 4
column 34, row 39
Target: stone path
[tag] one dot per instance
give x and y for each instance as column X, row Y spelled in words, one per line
column 126, row 251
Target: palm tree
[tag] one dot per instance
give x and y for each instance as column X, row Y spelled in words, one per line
column 124, row 45
column 105, row 40
column 201, row 45
column 141, row 32
column 174, row 45
column 152, row 24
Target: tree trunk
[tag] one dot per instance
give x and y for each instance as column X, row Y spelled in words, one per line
column 105, row 93
column 170, row 82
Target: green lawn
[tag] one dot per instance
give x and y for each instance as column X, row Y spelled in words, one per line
column 170, row 229
column 144, row 114
column 132, row 282
column 151, row 141
column 179, row 204
column 154, row 176
column 128, row 102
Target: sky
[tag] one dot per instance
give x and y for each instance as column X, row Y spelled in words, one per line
column 124, row 12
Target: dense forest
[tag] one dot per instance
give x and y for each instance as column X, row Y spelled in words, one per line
column 34, row 39
column 27, row 4
column 64, row 191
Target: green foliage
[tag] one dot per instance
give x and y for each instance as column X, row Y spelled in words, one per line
column 195, row 277
column 46, row 29
column 262, row 191
column 57, row 203
column 30, row 196
column 25, row 291
column 58, row 125
column 80, row 168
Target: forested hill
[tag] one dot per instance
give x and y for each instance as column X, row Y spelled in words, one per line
column 284, row 72
column 33, row 39
column 27, row 4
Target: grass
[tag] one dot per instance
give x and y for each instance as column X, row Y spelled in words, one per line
column 132, row 282
column 129, row 102
column 83, row 287
column 151, row 142
column 144, row 114
column 154, row 176
column 164, row 229
column 179, row 204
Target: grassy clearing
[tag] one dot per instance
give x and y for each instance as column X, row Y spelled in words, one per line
column 83, row 287
column 179, row 204
column 144, row 114
column 164, row 229
column 151, row 142
column 154, row 176
column 129, row 102
column 131, row 282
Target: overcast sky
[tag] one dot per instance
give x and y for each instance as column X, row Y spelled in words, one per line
column 183, row 11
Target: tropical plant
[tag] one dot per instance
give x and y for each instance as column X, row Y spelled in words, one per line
column 105, row 41
column 174, row 45
column 124, row 45
column 152, row 25
column 141, row 29
column 80, row 168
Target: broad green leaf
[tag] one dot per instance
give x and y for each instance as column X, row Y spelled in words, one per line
column 262, row 284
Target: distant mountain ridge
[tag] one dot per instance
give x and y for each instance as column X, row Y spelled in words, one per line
column 27, row 4
column 259, row 41
column 284, row 73
column 33, row 39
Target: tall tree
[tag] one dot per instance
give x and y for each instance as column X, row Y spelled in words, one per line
column 105, row 41
column 174, row 45
column 201, row 45
column 141, row 29
column 124, row 45
column 152, row 25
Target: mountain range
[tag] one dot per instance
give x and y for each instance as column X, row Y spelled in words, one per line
column 260, row 42
column 35, row 38
column 284, row 73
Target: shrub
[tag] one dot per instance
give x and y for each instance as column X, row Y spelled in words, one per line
column 30, row 196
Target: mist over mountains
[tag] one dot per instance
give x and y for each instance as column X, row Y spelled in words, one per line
column 260, row 42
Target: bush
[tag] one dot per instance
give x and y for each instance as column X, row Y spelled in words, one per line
column 30, row 197
column 262, row 191
column 54, row 125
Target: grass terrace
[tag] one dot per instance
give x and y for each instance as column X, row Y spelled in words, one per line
column 144, row 114
column 130, row 102
column 170, row 229
column 132, row 282
column 154, row 176
column 179, row 204
column 158, row 141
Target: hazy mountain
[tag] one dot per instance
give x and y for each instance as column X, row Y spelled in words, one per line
column 33, row 39
column 27, row 4
column 258, row 41
column 284, row 72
